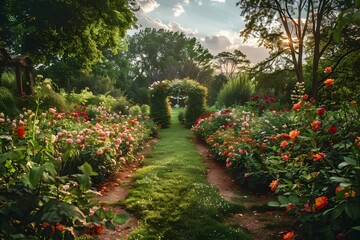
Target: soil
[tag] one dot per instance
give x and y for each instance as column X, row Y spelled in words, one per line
column 116, row 189
column 256, row 219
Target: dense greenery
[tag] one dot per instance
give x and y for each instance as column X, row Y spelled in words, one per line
column 160, row 107
column 308, row 31
column 78, row 30
column 237, row 91
column 48, row 159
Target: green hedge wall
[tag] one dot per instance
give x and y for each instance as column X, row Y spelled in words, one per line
column 160, row 107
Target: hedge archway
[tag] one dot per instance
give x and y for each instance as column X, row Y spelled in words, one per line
column 160, row 106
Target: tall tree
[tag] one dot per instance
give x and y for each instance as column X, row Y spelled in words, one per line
column 293, row 22
column 48, row 30
column 231, row 64
column 161, row 54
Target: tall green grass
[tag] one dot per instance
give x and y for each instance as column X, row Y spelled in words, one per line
column 235, row 92
column 172, row 197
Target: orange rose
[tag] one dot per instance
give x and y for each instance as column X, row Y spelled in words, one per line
column 321, row 202
column 293, row 134
column 284, row 144
column 328, row 82
column 297, row 106
column 289, row 235
column 273, row 185
column 319, row 156
column 315, row 125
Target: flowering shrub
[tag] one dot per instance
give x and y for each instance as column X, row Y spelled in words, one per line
column 47, row 163
column 309, row 156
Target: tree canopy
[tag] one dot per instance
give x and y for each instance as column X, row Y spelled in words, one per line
column 81, row 29
column 294, row 30
column 161, row 54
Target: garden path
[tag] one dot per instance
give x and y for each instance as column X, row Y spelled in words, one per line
column 254, row 217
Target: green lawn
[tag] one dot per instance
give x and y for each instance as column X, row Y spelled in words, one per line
column 172, row 197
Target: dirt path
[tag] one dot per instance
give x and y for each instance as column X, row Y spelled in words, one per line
column 257, row 219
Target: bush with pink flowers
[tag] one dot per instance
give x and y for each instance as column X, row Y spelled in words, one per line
column 49, row 161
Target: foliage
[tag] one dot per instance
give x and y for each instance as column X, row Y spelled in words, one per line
column 160, row 54
column 65, row 29
column 308, row 156
column 159, row 104
column 291, row 42
column 231, row 64
column 160, row 107
column 135, row 110
column 145, row 110
column 181, row 117
column 196, row 103
column 214, row 86
column 7, row 102
column 48, row 158
column 235, row 92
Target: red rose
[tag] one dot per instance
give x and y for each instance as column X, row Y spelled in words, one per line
column 332, row 129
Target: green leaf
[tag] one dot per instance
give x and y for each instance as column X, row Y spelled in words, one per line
column 9, row 156
column 109, row 214
column 273, row 204
column 357, row 228
column 350, row 161
column 35, row 176
column 338, row 210
column 100, row 213
column 50, row 168
column 340, row 180
column 356, row 17
column 293, row 199
column 283, row 200
column 121, row 218
column 86, row 169
column 353, row 211
column 109, row 225
column 84, row 182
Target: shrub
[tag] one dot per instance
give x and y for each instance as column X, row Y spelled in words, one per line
column 135, row 110
column 235, row 92
column 7, row 102
column 159, row 104
column 145, row 110
column 121, row 105
column 160, row 108
column 181, row 117
column 196, row 104
column 47, row 159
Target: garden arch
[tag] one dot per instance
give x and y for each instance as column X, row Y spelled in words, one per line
column 159, row 102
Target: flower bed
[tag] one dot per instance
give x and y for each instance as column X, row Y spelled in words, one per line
column 309, row 157
column 50, row 160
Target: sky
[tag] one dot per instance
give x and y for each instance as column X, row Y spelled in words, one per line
column 216, row 24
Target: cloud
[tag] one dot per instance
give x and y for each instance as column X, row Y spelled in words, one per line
column 220, row 1
column 230, row 41
column 215, row 43
column 147, row 6
column 176, row 27
column 147, row 22
column 178, row 10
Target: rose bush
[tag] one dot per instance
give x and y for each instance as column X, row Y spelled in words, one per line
column 48, row 162
column 308, row 156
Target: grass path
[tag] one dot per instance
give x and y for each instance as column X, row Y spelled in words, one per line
column 172, row 197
